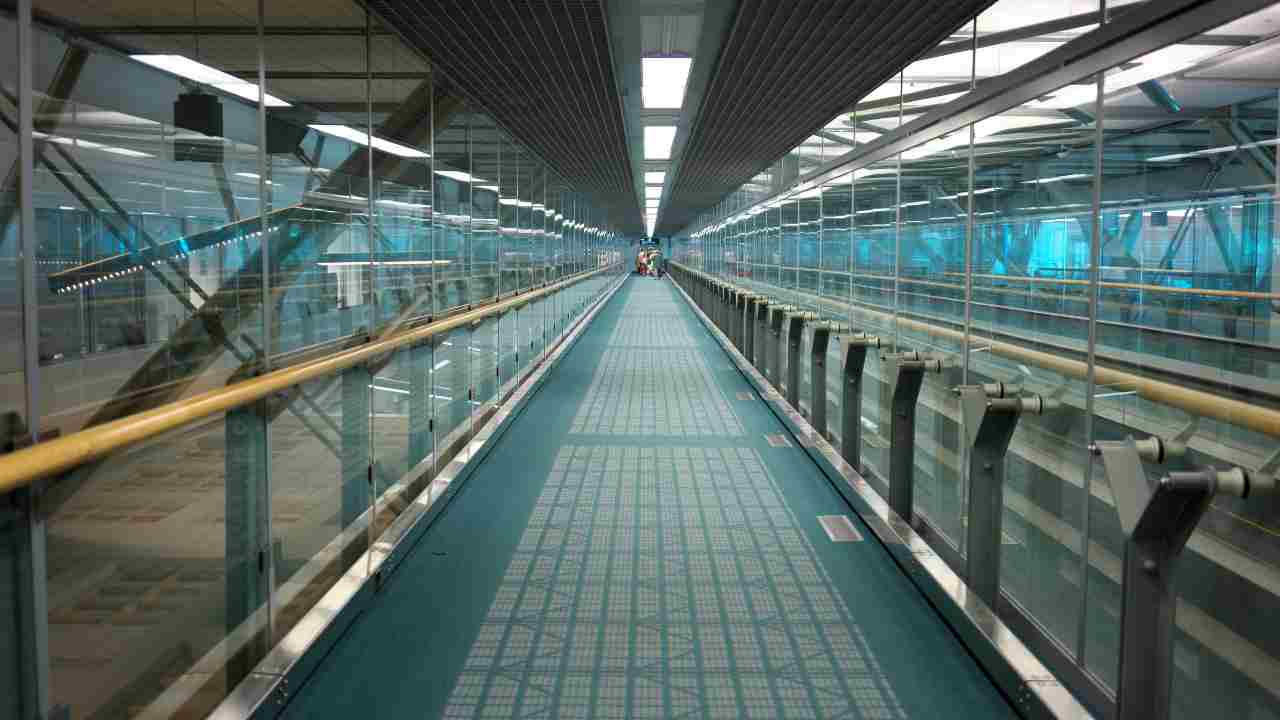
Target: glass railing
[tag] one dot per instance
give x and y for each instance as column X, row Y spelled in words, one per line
column 1120, row 273
column 179, row 557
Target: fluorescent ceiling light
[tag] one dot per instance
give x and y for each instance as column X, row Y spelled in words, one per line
column 1212, row 151
column 658, row 140
column 914, row 204
column 366, row 263
column 983, row 191
column 655, row 178
column 88, row 145
column 459, row 176
column 402, row 204
column 490, row 188
column 1057, row 178
column 360, row 138
column 252, row 176
column 185, row 67
column 663, row 81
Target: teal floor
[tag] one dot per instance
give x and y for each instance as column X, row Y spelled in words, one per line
column 643, row 542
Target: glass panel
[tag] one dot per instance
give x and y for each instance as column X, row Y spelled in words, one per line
column 452, row 212
column 1187, row 296
column 452, row 380
column 486, row 157
column 65, row 250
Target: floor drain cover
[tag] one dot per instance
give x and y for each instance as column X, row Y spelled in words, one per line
column 777, row 440
column 745, row 395
column 839, row 528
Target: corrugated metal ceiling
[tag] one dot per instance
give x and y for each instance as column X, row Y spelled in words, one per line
column 543, row 69
column 787, row 68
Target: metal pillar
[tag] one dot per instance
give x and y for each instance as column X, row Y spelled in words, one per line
column 853, row 363
column 248, row 504
column 1157, row 520
column 795, row 334
column 905, row 372
column 991, row 415
column 773, row 360
column 735, row 318
column 748, row 320
column 822, row 333
column 760, row 359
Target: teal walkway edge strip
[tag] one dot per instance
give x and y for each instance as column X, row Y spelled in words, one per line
column 634, row 547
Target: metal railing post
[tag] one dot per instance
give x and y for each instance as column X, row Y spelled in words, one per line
column 905, row 373
column 990, row 415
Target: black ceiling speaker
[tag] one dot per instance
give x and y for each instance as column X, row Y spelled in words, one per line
column 200, row 113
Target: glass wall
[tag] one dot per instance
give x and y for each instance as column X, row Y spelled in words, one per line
column 208, row 208
column 1105, row 247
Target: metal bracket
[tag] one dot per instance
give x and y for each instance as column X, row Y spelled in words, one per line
column 773, row 358
column 822, row 332
column 761, row 344
column 1157, row 520
column 795, row 322
column 748, row 328
column 734, row 331
column 905, row 372
column 990, row 414
column 854, row 359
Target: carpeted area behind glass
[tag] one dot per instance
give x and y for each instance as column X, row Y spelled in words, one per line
column 643, row 542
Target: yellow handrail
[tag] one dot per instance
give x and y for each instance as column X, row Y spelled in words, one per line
column 23, row 467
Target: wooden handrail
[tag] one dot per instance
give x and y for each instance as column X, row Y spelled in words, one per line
column 23, row 467
column 1234, row 412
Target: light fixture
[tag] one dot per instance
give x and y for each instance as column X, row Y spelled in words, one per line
column 490, row 188
column 366, row 263
column 405, row 205
column 88, row 145
column 360, row 138
column 658, row 140
column 663, row 81
column 252, row 176
column 1057, row 178
column 459, row 176
column 655, row 177
column 185, row 67
column 983, row 191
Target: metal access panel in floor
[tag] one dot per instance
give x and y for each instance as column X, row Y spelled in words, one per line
column 639, row 545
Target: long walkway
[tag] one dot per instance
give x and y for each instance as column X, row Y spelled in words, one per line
column 644, row 542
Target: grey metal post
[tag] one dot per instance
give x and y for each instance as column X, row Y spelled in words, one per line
column 853, row 363
column 795, row 333
column 991, row 415
column 762, row 334
column 905, row 372
column 1157, row 520
column 777, row 313
column 735, row 318
column 822, row 333
column 248, row 504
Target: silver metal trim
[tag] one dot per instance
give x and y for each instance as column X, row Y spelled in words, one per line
column 1030, row 686
column 301, row 650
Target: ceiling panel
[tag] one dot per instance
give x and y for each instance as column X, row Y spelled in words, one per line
column 786, row 69
column 543, row 69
